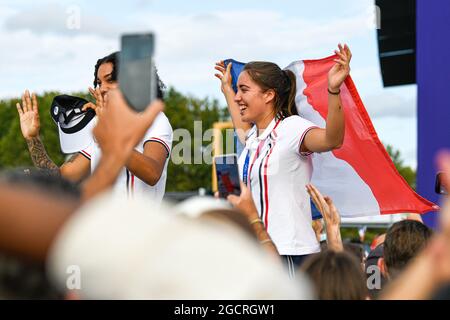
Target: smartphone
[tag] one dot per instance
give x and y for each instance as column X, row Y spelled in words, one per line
column 315, row 213
column 227, row 173
column 137, row 74
column 439, row 186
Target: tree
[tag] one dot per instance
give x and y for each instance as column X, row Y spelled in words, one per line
column 182, row 112
column 405, row 171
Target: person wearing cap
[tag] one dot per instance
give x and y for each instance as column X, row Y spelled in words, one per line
column 146, row 171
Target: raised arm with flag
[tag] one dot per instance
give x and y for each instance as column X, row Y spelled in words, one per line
column 276, row 161
column 359, row 176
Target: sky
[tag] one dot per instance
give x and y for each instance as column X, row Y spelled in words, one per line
column 53, row 46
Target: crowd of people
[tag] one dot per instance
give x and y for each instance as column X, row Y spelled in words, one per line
column 97, row 226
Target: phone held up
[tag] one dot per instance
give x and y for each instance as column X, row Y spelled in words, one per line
column 440, row 187
column 227, row 173
column 137, row 73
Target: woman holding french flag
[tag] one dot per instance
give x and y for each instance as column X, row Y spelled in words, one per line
column 275, row 164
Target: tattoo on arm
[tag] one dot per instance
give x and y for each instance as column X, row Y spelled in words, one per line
column 40, row 157
column 72, row 158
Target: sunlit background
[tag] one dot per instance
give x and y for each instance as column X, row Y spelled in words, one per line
column 43, row 50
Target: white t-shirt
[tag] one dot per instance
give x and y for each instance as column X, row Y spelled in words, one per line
column 127, row 183
column 277, row 175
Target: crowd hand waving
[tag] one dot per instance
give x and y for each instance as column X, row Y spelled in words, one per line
column 29, row 115
column 339, row 72
column 325, row 205
column 224, row 76
column 331, row 216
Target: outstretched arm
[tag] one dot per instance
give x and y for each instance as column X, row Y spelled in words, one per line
column 40, row 158
column 332, row 137
column 30, row 126
column 75, row 169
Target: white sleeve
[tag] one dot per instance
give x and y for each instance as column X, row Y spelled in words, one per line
column 295, row 130
column 161, row 132
column 87, row 152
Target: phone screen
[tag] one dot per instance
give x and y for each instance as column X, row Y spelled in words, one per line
column 137, row 77
column 440, row 187
column 228, row 181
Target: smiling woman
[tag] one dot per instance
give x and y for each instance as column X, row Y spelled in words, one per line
column 105, row 72
column 266, row 76
column 276, row 162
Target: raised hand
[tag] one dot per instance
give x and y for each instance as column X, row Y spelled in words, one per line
column 330, row 215
column 29, row 116
column 339, row 72
column 224, row 76
column 325, row 205
column 99, row 101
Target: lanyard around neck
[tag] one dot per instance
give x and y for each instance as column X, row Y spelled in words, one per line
column 246, row 172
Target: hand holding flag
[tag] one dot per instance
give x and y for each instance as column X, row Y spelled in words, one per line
column 360, row 176
column 224, row 76
column 339, row 72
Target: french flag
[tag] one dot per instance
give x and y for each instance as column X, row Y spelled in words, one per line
column 360, row 177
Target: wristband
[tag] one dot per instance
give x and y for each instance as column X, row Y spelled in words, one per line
column 334, row 93
column 266, row 241
column 258, row 220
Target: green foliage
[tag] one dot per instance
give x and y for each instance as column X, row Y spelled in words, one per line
column 181, row 110
column 351, row 234
column 405, row 171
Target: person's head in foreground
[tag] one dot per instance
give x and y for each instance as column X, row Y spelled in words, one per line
column 427, row 275
column 20, row 276
column 210, row 209
column 336, row 276
column 404, row 240
column 42, row 181
column 121, row 249
column 375, row 279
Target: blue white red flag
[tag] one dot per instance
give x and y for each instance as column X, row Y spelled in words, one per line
column 360, row 176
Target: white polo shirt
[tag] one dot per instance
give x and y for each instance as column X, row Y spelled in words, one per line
column 277, row 173
column 127, row 183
